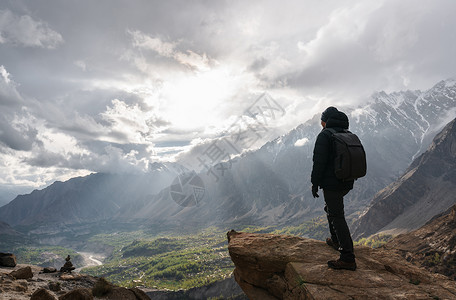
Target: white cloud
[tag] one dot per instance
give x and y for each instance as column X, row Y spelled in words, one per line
column 80, row 64
column 8, row 89
column 27, row 32
column 15, row 171
column 131, row 124
column 16, row 124
column 143, row 41
column 301, row 142
column 5, row 75
column 193, row 60
column 199, row 62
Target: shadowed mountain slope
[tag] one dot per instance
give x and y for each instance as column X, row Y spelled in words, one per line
column 427, row 188
column 433, row 246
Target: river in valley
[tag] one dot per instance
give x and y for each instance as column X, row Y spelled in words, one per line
column 90, row 260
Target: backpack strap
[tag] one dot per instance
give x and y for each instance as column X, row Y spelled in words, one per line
column 333, row 131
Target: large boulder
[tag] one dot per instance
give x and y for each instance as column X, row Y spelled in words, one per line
column 140, row 295
column 7, row 260
column 55, row 286
column 42, row 294
column 271, row 266
column 22, row 273
column 120, row 293
column 49, row 270
column 77, row 294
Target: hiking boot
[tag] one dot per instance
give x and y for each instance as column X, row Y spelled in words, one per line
column 340, row 264
column 332, row 244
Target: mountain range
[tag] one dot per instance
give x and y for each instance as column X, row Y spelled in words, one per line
column 91, row 198
column 268, row 186
column 427, row 188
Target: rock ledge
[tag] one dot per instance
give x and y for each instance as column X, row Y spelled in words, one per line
column 286, row 267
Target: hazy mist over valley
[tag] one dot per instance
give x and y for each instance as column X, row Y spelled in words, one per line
column 134, row 135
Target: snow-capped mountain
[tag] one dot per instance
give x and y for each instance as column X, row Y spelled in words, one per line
column 272, row 184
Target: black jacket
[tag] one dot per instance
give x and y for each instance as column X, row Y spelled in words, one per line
column 323, row 156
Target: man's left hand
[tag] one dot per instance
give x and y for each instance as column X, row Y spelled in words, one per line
column 315, row 191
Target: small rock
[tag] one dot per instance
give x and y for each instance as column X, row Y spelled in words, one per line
column 20, row 288
column 49, row 270
column 67, row 277
column 78, row 294
column 42, row 294
column 54, row 286
column 7, row 280
column 7, row 260
column 7, row 288
column 22, row 273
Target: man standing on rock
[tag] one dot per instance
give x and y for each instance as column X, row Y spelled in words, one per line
column 334, row 189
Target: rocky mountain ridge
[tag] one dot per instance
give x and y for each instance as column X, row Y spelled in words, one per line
column 285, row 267
column 426, row 189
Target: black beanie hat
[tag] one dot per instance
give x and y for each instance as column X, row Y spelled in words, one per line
column 328, row 113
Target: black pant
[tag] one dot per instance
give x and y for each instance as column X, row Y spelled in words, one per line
column 337, row 225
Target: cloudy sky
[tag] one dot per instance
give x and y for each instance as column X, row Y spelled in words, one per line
column 106, row 86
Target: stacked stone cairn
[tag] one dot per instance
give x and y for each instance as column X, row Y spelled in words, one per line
column 68, row 266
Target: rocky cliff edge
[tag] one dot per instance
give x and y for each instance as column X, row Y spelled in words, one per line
column 271, row 266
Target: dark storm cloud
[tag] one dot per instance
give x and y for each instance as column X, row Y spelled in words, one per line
column 15, row 133
column 21, row 138
column 46, row 159
column 379, row 45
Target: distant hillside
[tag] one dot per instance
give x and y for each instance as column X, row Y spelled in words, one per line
column 7, row 230
column 432, row 246
column 84, row 199
column 427, row 188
